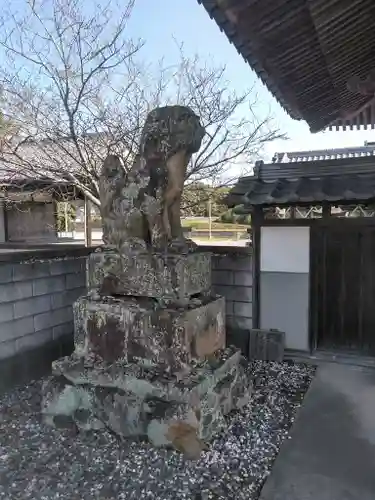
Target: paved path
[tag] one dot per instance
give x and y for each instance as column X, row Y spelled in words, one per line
column 331, row 455
column 97, row 235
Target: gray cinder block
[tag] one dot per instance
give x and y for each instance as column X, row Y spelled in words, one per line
column 243, row 278
column 237, row 263
column 238, row 322
column 8, row 349
column 244, row 309
column 67, row 266
column 63, row 330
column 30, row 270
column 16, row 328
column 222, row 277
column 34, row 340
column 15, row 291
column 53, row 318
column 31, row 306
column 48, row 285
column 66, row 298
column 6, row 312
column 75, row 281
column 6, row 273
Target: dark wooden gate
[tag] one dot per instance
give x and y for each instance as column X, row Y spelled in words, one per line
column 343, row 286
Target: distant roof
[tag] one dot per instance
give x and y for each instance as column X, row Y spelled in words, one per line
column 345, row 180
column 315, row 56
column 50, row 161
column 325, row 154
column 37, row 161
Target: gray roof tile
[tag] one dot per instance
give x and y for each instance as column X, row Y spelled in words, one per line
column 304, row 190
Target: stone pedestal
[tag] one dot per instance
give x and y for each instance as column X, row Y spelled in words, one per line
column 134, row 329
column 170, row 277
column 150, row 357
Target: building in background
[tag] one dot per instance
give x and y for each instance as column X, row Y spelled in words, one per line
column 28, row 211
column 313, row 230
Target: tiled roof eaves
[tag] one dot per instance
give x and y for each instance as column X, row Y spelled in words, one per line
column 332, row 189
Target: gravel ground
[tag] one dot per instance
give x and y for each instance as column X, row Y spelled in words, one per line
column 37, row 462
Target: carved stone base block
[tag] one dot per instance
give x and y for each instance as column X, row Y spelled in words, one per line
column 179, row 410
column 138, row 329
column 166, row 276
column 266, row 345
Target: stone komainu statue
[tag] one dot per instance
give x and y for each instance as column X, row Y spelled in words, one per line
column 141, row 208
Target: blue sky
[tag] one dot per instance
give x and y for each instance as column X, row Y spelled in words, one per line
column 158, row 21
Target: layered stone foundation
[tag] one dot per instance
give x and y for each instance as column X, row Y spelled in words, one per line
column 150, row 357
column 138, row 400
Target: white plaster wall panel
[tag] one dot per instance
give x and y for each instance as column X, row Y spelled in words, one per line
column 284, row 304
column 285, row 249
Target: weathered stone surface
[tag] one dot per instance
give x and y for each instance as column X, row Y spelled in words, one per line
column 65, row 405
column 149, row 354
column 183, row 409
column 139, row 329
column 266, row 345
column 142, row 207
column 171, row 277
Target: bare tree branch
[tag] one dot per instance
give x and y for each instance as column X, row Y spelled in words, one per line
column 75, row 90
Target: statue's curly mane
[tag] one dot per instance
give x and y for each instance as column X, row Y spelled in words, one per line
column 166, row 132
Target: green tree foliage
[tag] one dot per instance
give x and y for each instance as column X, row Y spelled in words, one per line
column 233, row 218
column 66, row 216
column 197, row 196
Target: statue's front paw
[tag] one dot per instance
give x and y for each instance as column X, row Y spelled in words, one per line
column 133, row 245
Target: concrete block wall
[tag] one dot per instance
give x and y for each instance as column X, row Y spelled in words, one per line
column 232, row 278
column 36, row 302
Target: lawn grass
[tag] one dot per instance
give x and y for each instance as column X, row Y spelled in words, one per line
column 207, row 240
column 203, row 224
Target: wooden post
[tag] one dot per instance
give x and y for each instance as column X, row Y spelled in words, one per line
column 210, row 218
column 326, row 211
column 4, row 215
column 55, row 213
column 256, row 222
column 66, row 218
column 88, row 235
